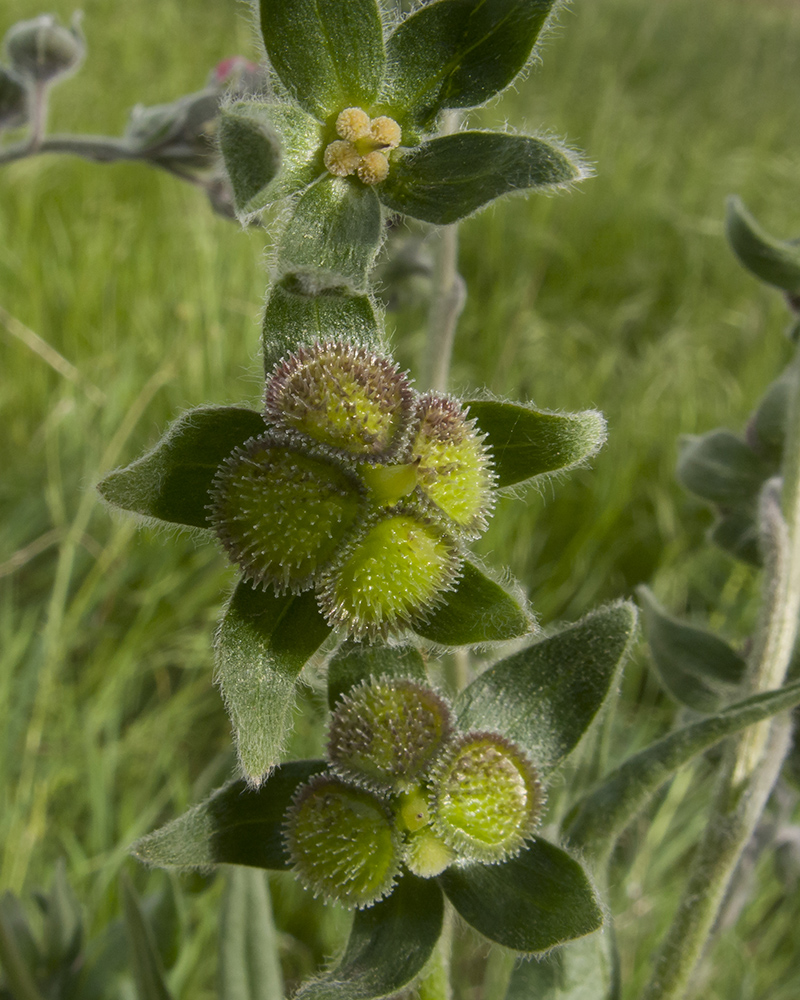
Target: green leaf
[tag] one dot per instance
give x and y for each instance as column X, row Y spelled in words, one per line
column 736, row 531
column 527, row 443
column 329, row 55
column 581, row 970
column 720, row 467
column 334, row 233
column 249, row 965
column 478, row 610
column 766, row 431
column 298, row 314
column 356, row 662
column 148, row 973
column 263, row 643
column 270, row 151
column 450, row 177
column 539, row 899
column 389, row 944
column 236, row 825
column 603, row 814
column 776, row 262
column 546, row 696
column 697, row 668
column 456, row 54
column 18, row 961
column 172, row 482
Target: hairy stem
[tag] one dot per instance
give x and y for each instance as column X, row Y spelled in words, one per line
column 447, row 299
column 39, row 105
column 753, row 761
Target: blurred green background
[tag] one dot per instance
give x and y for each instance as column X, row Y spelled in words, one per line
column 621, row 296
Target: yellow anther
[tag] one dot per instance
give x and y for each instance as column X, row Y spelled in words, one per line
column 385, row 131
column 352, row 124
column 374, row 168
column 341, row 158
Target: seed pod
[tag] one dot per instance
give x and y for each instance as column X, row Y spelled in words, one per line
column 385, row 733
column 280, row 514
column 453, row 465
column 42, row 49
column 392, row 575
column 356, row 403
column 426, row 854
column 342, row 842
column 485, row 797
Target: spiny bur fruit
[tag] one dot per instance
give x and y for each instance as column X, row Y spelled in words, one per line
column 361, row 489
column 386, row 733
column 282, row 514
column 342, row 842
column 485, row 799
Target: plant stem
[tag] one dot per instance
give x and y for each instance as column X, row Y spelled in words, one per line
column 39, row 105
column 448, row 296
column 753, row 761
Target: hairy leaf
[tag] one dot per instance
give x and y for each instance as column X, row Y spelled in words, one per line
column 775, row 261
column 696, row 667
column 328, row 54
column 389, row 944
column 270, row 151
column 299, row 313
column 539, row 899
column 478, row 610
column 527, row 443
column 356, row 662
column 450, row 177
column 721, row 467
column 581, row 970
column 334, row 232
column 249, row 964
column 457, row 54
column 172, row 482
column 736, row 531
column 603, row 814
column 236, row 825
column 263, row 643
column 546, row 696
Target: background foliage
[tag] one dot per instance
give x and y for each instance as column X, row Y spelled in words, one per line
column 622, row 296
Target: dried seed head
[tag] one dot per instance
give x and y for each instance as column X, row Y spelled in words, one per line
column 280, row 514
column 426, row 854
column 341, row 158
column 453, row 465
column 385, row 733
column 391, row 576
column 352, row 124
column 342, row 842
column 486, row 798
column 373, row 168
column 343, row 397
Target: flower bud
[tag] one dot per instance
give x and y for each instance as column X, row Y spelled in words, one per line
column 385, row 733
column 342, row 842
column 486, row 798
column 42, row 49
column 281, row 514
column 13, row 100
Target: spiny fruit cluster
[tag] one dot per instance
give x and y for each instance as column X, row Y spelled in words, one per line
column 404, row 788
column 361, row 488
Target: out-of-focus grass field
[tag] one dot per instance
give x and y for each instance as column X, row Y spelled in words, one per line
column 620, row 296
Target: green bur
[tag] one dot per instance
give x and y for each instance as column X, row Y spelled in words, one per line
column 386, row 733
column 342, row 842
column 281, row 514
